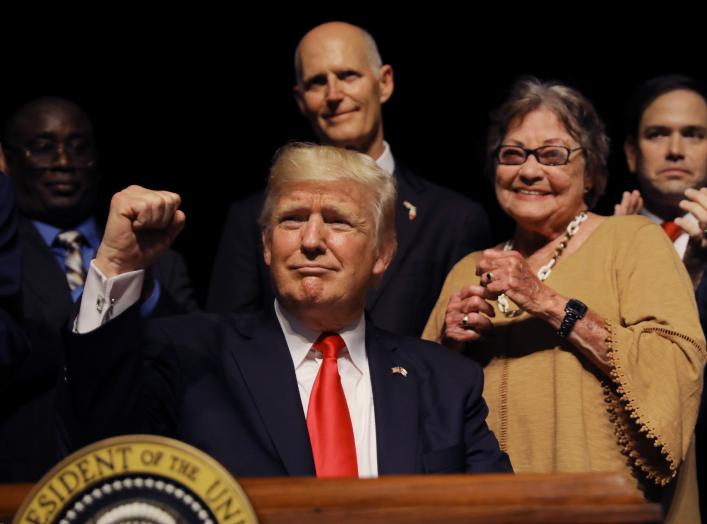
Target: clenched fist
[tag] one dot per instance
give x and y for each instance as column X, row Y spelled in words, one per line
column 141, row 225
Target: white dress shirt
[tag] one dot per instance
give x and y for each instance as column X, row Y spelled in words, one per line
column 105, row 298
column 386, row 161
column 355, row 379
column 680, row 243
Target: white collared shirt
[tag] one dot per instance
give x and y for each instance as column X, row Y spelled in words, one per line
column 386, row 161
column 680, row 243
column 355, row 380
column 104, row 298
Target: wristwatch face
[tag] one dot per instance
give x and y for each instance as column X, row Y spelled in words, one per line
column 576, row 308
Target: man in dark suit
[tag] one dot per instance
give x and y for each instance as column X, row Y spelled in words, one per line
column 13, row 346
column 666, row 148
column 341, row 87
column 52, row 162
column 238, row 386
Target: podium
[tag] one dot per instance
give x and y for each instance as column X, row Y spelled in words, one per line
column 493, row 498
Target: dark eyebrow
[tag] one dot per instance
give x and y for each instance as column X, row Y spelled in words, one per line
column 693, row 129
column 47, row 135
column 74, row 136
column 318, row 78
column 655, row 128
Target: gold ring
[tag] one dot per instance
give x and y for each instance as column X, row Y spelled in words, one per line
column 465, row 321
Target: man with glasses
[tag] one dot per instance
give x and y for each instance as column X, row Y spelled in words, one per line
column 341, row 86
column 51, row 159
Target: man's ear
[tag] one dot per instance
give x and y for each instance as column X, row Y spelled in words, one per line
column 266, row 237
column 385, row 83
column 631, row 152
column 385, row 256
column 299, row 97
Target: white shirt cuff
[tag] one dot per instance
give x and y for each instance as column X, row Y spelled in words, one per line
column 105, row 298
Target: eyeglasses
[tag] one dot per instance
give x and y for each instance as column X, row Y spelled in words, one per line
column 44, row 152
column 546, row 155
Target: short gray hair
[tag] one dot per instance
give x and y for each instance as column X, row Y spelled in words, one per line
column 304, row 162
column 575, row 112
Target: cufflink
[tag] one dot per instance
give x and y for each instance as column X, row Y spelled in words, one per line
column 399, row 370
column 101, row 304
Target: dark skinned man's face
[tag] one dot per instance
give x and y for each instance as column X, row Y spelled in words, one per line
column 52, row 160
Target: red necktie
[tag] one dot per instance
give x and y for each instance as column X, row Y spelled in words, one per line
column 672, row 229
column 328, row 419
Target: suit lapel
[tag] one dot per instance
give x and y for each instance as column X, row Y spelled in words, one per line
column 267, row 369
column 406, row 227
column 44, row 284
column 395, row 398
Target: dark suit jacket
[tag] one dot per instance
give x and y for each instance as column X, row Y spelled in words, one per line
column 28, row 441
column 226, row 384
column 13, row 346
column 9, row 245
column 447, row 226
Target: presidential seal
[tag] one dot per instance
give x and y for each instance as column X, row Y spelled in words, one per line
column 137, row 479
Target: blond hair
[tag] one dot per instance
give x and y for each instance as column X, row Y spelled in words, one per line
column 304, row 162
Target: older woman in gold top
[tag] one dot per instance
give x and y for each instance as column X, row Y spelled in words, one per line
column 586, row 326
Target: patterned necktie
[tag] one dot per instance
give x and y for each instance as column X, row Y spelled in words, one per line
column 75, row 274
column 328, row 419
column 672, row 230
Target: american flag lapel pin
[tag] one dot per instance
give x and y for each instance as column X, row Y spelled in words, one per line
column 399, row 370
column 412, row 210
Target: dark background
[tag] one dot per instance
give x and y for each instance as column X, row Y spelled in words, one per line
column 198, row 102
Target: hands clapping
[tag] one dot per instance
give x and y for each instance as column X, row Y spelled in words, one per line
column 469, row 312
column 631, row 203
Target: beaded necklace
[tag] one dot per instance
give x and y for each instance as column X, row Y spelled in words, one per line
column 503, row 302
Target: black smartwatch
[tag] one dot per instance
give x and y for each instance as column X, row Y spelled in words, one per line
column 574, row 310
